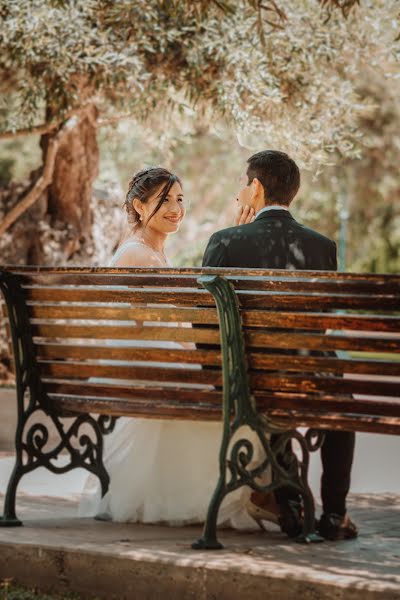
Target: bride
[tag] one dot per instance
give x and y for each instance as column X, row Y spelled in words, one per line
column 161, row 471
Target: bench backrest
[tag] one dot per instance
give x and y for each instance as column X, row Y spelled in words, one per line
column 107, row 335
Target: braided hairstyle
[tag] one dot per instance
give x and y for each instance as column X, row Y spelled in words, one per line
column 145, row 184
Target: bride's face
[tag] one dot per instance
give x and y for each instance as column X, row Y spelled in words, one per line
column 170, row 214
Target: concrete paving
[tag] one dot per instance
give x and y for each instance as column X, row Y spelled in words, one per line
column 55, row 550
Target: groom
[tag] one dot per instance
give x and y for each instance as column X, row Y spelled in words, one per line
column 268, row 237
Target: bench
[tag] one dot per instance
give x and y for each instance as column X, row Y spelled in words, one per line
column 278, row 350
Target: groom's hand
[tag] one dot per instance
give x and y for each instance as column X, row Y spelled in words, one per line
column 244, row 214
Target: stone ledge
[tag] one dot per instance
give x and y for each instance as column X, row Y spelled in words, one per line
column 99, row 575
column 55, row 551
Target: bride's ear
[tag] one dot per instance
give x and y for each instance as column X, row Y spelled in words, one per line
column 138, row 207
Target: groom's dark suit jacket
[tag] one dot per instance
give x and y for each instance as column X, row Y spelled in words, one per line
column 275, row 240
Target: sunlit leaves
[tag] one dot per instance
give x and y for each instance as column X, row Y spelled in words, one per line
column 279, row 72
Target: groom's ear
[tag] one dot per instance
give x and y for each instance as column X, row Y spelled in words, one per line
column 257, row 189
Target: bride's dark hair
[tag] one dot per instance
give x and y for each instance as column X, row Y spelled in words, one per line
column 143, row 185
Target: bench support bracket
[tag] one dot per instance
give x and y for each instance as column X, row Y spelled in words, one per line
column 236, row 464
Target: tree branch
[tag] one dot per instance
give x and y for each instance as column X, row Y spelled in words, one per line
column 44, row 128
column 44, row 180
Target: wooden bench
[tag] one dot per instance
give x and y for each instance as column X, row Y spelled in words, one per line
column 290, row 348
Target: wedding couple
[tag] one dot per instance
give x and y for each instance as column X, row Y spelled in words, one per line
column 164, row 470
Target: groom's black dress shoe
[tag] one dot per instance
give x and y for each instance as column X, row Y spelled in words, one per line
column 290, row 518
column 335, row 527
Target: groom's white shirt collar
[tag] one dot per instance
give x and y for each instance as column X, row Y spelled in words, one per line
column 271, row 207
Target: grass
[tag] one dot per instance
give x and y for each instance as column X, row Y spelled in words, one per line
column 11, row 591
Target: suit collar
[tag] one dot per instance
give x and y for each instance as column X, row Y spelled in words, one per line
column 274, row 214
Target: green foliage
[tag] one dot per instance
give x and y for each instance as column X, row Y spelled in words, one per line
column 281, row 73
column 10, row 591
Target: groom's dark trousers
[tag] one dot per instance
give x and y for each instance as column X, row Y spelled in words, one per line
column 275, row 240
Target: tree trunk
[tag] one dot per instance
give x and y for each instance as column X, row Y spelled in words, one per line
column 69, row 195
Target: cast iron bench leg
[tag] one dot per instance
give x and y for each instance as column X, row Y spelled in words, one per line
column 36, row 411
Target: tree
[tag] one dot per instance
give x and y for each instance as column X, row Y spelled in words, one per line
column 279, row 73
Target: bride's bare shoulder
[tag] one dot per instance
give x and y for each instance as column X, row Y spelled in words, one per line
column 135, row 254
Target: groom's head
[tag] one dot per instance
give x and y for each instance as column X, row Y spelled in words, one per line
column 272, row 177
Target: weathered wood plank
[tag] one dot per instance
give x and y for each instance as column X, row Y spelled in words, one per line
column 78, row 370
column 257, row 339
column 81, row 352
column 307, row 364
column 288, row 419
column 263, row 300
column 257, row 360
column 177, row 334
column 162, row 314
column 255, row 318
column 144, row 409
column 328, row 404
column 327, row 385
column 320, row 321
column 232, row 271
column 281, row 284
column 368, row 424
column 321, row 342
column 156, row 393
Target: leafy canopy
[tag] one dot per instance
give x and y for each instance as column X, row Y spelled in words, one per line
column 284, row 74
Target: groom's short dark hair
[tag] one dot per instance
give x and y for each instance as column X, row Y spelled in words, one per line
column 278, row 174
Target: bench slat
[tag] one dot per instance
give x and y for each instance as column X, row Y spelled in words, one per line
column 181, row 396
column 200, row 297
column 77, row 370
column 255, row 318
column 258, row 381
column 321, row 342
column 154, row 393
column 304, row 364
column 310, row 384
column 233, row 272
column 260, row 339
column 298, row 283
column 271, row 340
column 108, row 332
column 144, row 409
column 342, row 404
column 339, row 421
column 56, row 351
column 181, row 315
column 257, row 361
column 288, row 418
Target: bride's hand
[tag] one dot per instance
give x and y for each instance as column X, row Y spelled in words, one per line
column 244, row 214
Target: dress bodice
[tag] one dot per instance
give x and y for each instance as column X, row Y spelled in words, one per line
column 130, row 244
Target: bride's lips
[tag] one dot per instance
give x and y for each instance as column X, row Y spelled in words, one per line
column 173, row 219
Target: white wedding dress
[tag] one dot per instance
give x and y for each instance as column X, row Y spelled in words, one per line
column 165, row 471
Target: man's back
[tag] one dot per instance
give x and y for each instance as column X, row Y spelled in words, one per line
column 274, row 240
